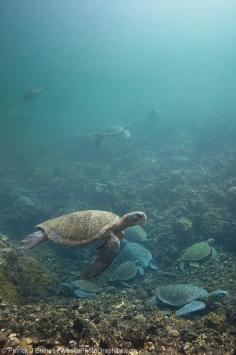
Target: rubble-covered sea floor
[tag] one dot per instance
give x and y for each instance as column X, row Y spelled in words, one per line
column 189, row 195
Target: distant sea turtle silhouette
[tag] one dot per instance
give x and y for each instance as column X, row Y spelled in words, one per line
column 29, row 95
column 84, row 227
column 111, row 132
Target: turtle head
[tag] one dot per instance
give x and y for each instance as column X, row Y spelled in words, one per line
column 211, row 241
column 133, row 218
column 217, row 296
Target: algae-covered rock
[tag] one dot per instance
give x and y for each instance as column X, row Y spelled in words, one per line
column 8, row 291
column 21, row 276
column 33, row 278
column 183, row 225
column 219, row 224
column 7, row 253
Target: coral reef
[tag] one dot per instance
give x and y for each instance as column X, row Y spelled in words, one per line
column 188, row 194
column 119, row 319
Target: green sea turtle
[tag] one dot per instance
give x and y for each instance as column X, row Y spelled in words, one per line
column 83, row 227
column 197, row 254
column 189, row 297
column 29, row 95
column 136, row 234
column 124, row 272
column 137, row 253
column 80, row 288
column 111, row 132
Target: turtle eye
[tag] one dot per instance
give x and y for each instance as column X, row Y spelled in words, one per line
column 139, row 216
column 135, row 217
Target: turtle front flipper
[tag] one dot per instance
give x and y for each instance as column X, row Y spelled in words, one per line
column 106, row 253
column 140, row 270
column 189, row 308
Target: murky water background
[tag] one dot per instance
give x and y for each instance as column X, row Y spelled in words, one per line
column 165, row 72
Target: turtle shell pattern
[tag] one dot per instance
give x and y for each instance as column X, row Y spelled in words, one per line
column 78, row 228
column 140, row 255
column 124, row 271
column 196, row 252
column 180, row 294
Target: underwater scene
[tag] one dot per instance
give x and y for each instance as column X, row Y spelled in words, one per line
column 118, row 177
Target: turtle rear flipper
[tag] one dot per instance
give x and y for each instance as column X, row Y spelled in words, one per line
column 189, row 308
column 153, row 265
column 214, row 254
column 126, row 133
column 196, row 265
column 33, row 239
column 181, row 266
column 152, row 301
column 106, row 253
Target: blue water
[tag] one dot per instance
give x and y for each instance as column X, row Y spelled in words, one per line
column 165, row 70
column 106, row 62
